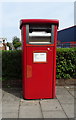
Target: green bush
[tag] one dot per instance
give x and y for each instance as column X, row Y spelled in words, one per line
column 66, row 63
column 11, row 64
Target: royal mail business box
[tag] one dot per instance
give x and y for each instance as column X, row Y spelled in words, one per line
column 39, row 38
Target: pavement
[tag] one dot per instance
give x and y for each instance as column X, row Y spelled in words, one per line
column 14, row 106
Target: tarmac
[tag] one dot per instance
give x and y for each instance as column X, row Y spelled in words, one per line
column 14, row 106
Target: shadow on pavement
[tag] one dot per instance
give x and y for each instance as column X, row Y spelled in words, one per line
column 13, row 87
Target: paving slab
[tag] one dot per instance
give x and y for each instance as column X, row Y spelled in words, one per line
column 15, row 106
column 72, row 93
column 61, row 91
column 10, row 103
column 51, row 104
column 66, row 98
column 24, row 102
column 59, row 87
column 10, row 115
column 75, row 110
column 8, row 97
column 75, row 94
column 10, row 107
column 72, row 90
column 10, row 110
column 30, row 109
column 69, row 110
column 54, row 114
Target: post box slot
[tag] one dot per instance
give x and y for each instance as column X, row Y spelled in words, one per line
column 39, row 37
column 40, row 34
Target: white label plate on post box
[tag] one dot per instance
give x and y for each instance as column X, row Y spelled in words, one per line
column 40, row 57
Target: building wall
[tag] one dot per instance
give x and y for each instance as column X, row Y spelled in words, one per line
column 2, row 48
column 67, row 37
column 2, row 44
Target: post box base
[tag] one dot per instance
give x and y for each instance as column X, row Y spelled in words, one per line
column 37, row 98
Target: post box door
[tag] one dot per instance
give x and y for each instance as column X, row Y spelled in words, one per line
column 39, row 72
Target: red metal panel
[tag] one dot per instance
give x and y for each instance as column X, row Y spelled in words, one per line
column 54, row 64
column 39, row 85
column 23, row 59
column 35, row 21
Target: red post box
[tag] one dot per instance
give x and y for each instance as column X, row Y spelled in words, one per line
column 39, row 57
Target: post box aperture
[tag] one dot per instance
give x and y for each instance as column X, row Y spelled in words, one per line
column 39, row 58
column 40, row 33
